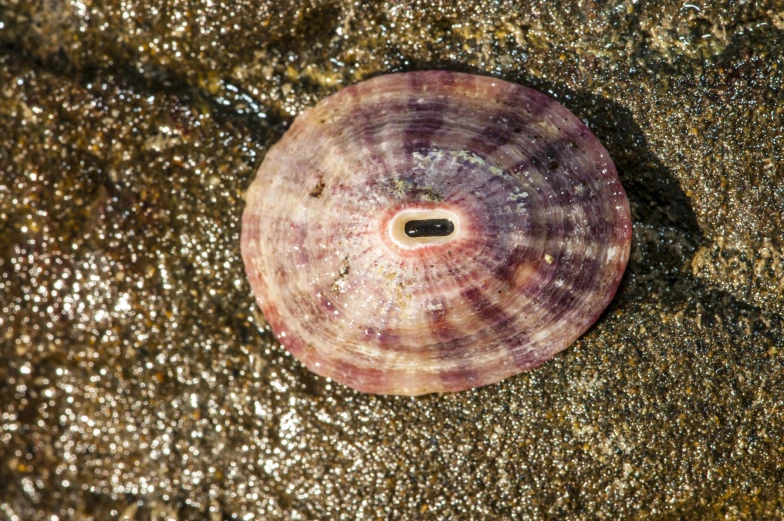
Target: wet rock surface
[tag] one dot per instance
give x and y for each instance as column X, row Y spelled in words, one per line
column 139, row 381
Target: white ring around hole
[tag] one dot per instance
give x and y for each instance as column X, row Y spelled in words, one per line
column 397, row 233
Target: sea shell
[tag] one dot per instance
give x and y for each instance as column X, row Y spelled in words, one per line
column 434, row 231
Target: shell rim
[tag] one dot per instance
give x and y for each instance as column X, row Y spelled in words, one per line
column 302, row 352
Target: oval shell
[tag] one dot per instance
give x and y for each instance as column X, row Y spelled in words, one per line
column 521, row 233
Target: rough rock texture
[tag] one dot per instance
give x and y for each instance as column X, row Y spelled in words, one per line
column 138, row 381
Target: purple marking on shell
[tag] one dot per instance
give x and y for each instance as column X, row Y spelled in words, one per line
column 540, row 235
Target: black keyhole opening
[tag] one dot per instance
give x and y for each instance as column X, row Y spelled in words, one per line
column 429, row 228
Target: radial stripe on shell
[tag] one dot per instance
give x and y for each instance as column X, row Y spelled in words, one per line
column 540, row 233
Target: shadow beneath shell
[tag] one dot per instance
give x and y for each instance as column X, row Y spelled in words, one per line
column 666, row 232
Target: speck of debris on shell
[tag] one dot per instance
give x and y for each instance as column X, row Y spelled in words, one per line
column 138, row 380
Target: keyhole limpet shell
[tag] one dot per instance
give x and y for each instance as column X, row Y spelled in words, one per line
column 434, row 231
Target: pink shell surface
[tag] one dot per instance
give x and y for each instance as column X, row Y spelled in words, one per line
column 542, row 244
